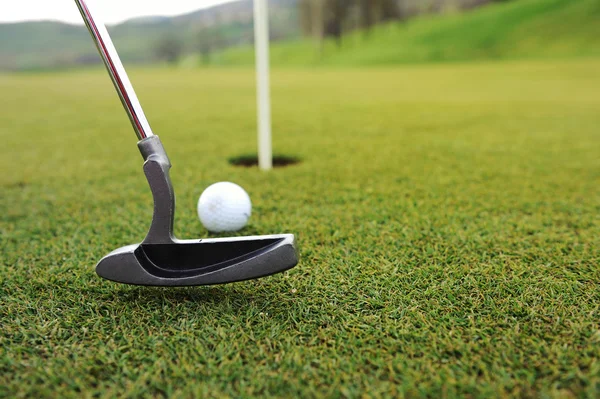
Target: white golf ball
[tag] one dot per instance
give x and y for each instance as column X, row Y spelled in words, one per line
column 224, row 207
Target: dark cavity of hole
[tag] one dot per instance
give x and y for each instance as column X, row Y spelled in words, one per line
column 248, row 161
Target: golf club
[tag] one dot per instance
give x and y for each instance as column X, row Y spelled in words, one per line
column 161, row 259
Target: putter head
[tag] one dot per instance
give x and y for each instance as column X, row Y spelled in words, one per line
column 199, row 262
column 163, row 260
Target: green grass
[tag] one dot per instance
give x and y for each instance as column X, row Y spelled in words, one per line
column 447, row 216
column 517, row 29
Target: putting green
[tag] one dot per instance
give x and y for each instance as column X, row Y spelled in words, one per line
column 447, row 218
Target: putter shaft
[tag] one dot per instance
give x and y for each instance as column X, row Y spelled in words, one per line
column 116, row 70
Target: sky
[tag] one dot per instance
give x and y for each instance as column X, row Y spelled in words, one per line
column 111, row 11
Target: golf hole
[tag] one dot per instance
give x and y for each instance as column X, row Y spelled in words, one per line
column 248, row 161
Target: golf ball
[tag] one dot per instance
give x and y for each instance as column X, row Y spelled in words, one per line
column 224, row 207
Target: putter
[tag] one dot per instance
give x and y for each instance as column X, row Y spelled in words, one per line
column 161, row 259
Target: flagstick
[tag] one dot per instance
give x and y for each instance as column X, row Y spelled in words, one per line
column 261, row 43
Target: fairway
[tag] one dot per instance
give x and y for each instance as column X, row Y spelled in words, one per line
column 447, row 218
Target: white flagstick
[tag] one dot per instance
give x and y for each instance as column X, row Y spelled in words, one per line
column 261, row 43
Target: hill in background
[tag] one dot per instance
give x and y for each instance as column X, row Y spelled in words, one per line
column 223, row 35
column 49, row 44
column 512, row 29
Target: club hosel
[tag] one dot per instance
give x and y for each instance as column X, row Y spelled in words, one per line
column 152, row 148
column 156, row 169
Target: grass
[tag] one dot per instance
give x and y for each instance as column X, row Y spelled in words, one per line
column 511, row 30
column 448, row 221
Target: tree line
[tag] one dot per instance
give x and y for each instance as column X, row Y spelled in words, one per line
column 333, row 18
column 323, row 19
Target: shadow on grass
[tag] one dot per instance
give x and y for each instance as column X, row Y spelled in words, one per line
column 212, row 295
column 229, row 298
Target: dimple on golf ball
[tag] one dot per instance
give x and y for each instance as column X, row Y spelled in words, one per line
column 224, row 207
